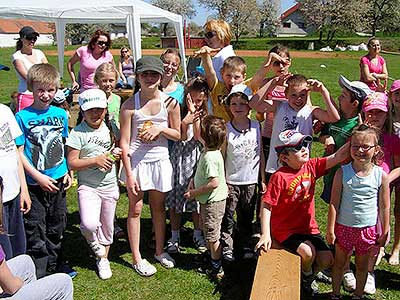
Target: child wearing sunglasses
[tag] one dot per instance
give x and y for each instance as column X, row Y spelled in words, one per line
column 288, row 212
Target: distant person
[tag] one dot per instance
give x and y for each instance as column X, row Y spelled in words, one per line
column 23, row 59
column 90, row 57
column 373, row 70
column 126, row 69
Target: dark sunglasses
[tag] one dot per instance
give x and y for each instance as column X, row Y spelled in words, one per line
column 102, row 43
column 296, row 148
column 31, row 38
column 124, row 51
column 210, row 34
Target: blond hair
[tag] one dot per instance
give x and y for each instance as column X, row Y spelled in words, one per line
column 235, row 63
column 104, row 68
column 221, row 28
column 44, row 74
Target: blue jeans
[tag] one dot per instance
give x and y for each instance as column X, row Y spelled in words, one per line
column 130, row 81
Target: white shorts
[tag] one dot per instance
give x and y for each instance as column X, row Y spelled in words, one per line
column 155, row 175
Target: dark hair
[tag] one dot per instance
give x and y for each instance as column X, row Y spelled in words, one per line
column 213, row 132
column 363, row 129
column 95, row 37
column 243, row 96
column 197, row 84
column 19, row 44
column 279, row 49
column 171, row 51
column 373, row 38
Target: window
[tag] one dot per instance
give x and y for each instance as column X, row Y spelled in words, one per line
column 302, row 25
column 286, row 24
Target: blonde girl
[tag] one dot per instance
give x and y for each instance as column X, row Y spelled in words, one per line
column 171, row 59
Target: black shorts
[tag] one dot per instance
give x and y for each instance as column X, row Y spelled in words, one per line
column 293, row 242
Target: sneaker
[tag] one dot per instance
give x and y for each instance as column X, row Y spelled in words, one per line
column 65, row 268
column 172, row 246
column 216, row 273
column 144, row 268
column 323, row 277
column 248, row 253
column 165, row 260
column 308, row 285
column 227, row 254
column 103, row 266
column 370, row 285
column 98, row 249
column 349, row 281
column 200, row 244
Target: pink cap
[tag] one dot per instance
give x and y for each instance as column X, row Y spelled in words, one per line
column 376, row 100
column 395, row 85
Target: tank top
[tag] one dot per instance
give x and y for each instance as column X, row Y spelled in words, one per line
column 127, row 68
column 359, row 204
column 151, row 151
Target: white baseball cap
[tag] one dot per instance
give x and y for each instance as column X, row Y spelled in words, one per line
column 240, row 88
column 360, row 89
column 291, row 139
column 93, row 98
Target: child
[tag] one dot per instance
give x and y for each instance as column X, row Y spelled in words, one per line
column 243, row 159
column 148, row 119
column 288, row 213
column 210, row 189
column 44, row 129
column 92, row 152
column 358, row 188
column 184, row 157
column 171, row 59
column 296, row 113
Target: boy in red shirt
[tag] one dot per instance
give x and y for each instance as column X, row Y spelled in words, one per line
column 288, row 213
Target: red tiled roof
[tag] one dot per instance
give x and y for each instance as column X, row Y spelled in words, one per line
column 14, row 25
column 289, row 11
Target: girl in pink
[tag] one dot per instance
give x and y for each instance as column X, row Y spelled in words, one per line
column 373, row 69
column 148, row 120
column 360, row 187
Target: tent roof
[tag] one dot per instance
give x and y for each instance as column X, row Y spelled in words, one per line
column 90, row 11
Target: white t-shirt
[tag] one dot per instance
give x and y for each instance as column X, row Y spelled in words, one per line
column 219, row 58
column 38, row 56
column 9, row 130
column 242, row 162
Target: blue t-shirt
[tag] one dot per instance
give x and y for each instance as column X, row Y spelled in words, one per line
column 42, row 138
column 178, row 93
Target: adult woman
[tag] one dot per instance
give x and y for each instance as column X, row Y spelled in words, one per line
column 373, row 69
column 171, row 60
column 218, row 36
column 90, row 57
column 126, row 69
column 23, row 59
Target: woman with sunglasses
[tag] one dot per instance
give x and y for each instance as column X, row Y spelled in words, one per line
column 23, row 59
column 126, row 69
column 218, row 36
column 90, row 57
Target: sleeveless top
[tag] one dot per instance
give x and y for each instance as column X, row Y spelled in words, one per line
column 149, row 151
column 288, row 118
column 127, row 68
column 359, row 204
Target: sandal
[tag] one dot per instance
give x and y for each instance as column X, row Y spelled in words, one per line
column 144, row 268
column 165, row 260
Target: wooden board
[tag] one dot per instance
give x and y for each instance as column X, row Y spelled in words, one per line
column 277, row 276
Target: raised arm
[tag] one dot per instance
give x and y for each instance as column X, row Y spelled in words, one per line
column 259, row 100
column 211, row 75
column 339, row 156
column 330, row 114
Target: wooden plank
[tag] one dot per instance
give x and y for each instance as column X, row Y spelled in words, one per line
column 277, row 276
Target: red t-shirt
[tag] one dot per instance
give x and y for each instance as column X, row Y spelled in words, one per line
column 291, row 195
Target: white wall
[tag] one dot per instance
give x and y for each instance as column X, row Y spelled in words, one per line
column 9, row 40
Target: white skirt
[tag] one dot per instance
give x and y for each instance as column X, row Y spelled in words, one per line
column 155, row 175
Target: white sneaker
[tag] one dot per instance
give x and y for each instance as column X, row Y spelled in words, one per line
column 144, row 268
column 98, row 249
column 172, row 246
column 200, row 244
column 370, row 285
column 165, row 260
column 103, row 266
column 349, row 281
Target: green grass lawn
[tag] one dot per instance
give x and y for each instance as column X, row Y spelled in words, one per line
column 184, row 282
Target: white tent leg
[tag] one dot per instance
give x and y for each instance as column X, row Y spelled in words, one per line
column 60, row 36
column 134, row 35
column 179, row 35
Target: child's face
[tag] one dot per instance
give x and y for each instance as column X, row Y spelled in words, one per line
column 345, row 103
column 280, row 68
column 94, row 116
column 149, row 79
column 198, row 98
column 232, row 77
column 376, row 117
column 395, row 98
column 239, row 107
column 43, row 95
column 107, row 82
column 363, row 148
column 171, row 64
column 297, row 96
column 296, row 159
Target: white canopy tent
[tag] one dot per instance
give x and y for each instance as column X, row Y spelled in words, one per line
column 62, row 12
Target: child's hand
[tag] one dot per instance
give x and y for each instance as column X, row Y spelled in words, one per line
column 47, row 183
column 381, row 240
column 273, row 57
column 104, row 161
column 329, row 145
column 315, row 85
column 205, row 50
column 264, row 243
column 190, row 194
column 150, row 134
column 330, row 237
column 25, row 202
column 190, row 104
column 116, row 153
column 67, row 181
column 263, row 187
column 75, row 86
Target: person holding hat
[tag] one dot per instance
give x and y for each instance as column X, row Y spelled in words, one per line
column 23, row 59
column 288, row 210
column 148, row 119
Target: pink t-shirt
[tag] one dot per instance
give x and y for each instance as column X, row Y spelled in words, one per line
column 390, row 147
column 89, row 65
column 269, row 118
column 373, row 68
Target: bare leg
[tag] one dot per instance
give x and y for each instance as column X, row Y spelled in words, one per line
column 215, row 249
column 196, row 221
column 175, row 219
column 341, row 261
column 307, row 252
column 361, row 273
column 133, row 224
column 394, row 257
column 156, row 200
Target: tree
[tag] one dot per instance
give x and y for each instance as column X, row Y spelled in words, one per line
column 269, row 18
column 180, row 7
column 382, row 12
column 315, row 13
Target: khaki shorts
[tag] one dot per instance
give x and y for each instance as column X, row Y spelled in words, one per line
column 212, row 214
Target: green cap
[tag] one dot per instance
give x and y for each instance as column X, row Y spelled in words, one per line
column 149, row 63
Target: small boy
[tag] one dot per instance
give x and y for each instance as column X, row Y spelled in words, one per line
column 44, row 129
column 244, row 159
column 210, row 189
column 296, row 113
column 288, row 213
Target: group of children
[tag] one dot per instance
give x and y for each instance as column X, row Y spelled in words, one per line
column 212, row 163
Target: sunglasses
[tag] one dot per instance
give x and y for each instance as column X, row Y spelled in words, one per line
column 102, row 43
column 297, row 148
column 210, row 34
column 124, row 51
column 31, row 38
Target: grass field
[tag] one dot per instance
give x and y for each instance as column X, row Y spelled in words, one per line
column 184, row 282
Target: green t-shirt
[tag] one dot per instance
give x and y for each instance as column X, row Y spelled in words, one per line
column 114, row 107
column 210, row 165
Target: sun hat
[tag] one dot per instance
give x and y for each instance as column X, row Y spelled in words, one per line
column 27, row 32
column 149, row 63
column 92, row 98
column 291, row 139
column 376, row 100
column 395, row 85
column 240, row 88
column 358, row 88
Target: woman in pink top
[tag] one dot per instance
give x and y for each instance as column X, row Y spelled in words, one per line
column 90, row 57
column 373, row 69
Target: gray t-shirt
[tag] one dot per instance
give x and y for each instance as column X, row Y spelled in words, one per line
column 91, row 143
